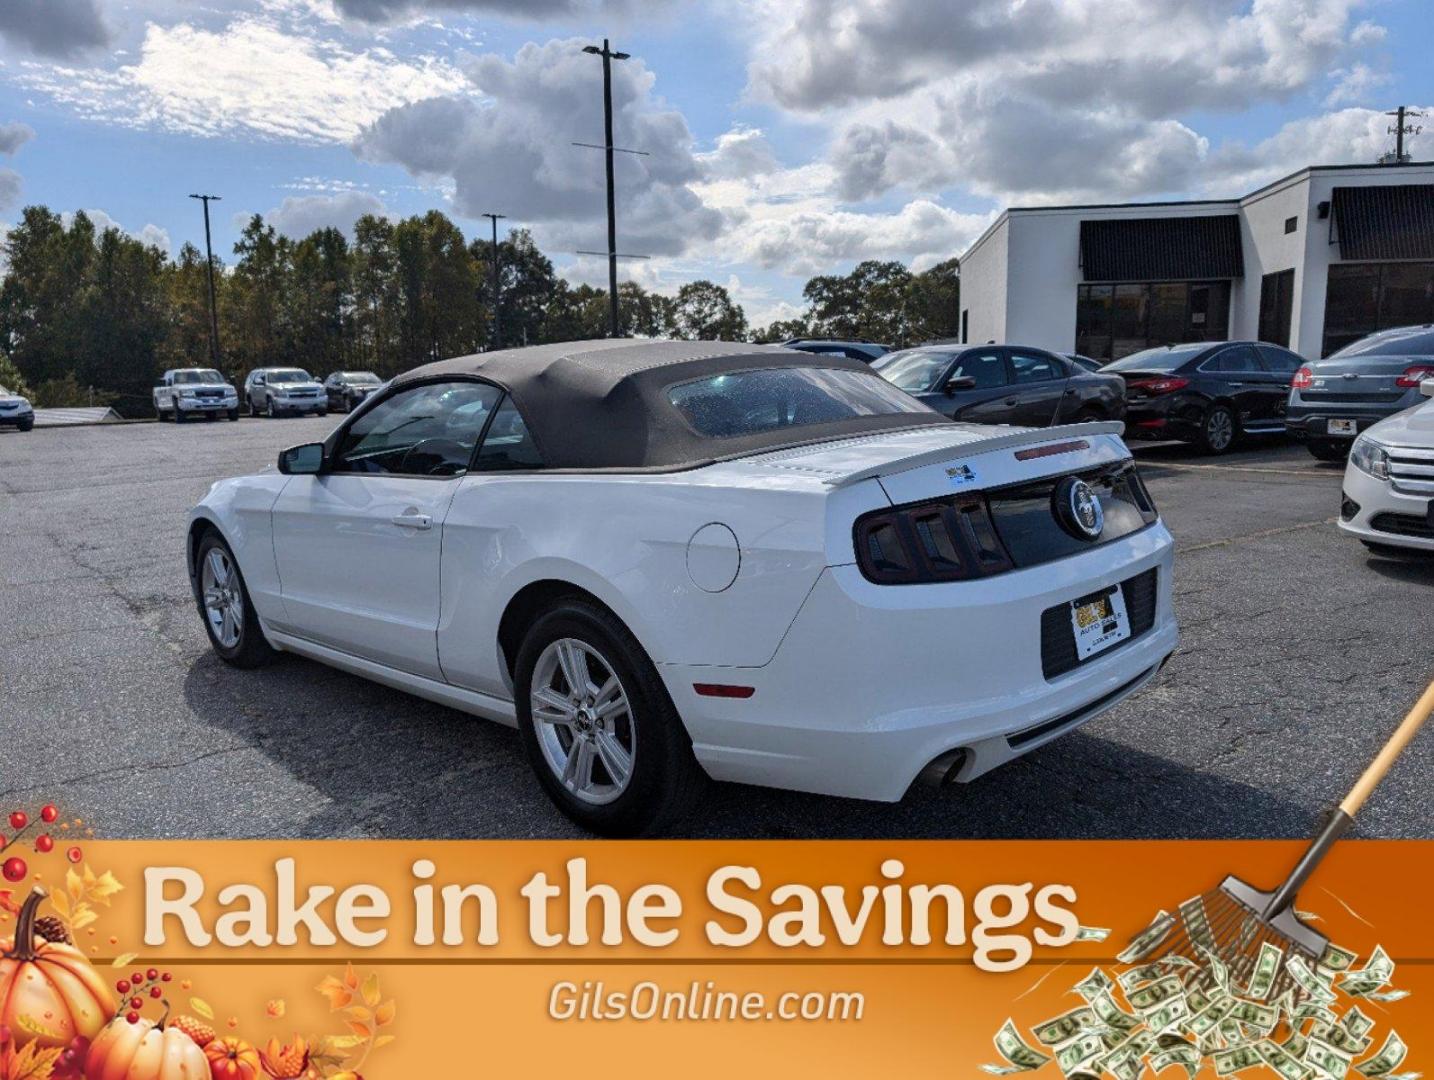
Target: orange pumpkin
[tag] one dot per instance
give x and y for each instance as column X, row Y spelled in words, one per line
column 144, row 1051
column 49, row 994
column 231, row 1058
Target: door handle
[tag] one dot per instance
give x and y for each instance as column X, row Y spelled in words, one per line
column 411, row 519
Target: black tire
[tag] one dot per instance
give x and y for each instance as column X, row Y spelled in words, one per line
column 158, row 413
column 1218, row 429
column 666, row 781
column 253, row 412
column 270, row 409
column 1328, row 449
column 178, row 415
column 233, row 415
column 26, row 425
column 1088, row 415
column 251, row 650
column 323, row 412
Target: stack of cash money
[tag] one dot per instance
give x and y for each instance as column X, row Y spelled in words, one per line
column 1193, row 1012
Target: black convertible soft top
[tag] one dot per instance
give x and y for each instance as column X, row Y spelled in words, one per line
column 604, row 404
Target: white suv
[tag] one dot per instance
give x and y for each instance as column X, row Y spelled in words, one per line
column 184, row 392
column 1388, row 498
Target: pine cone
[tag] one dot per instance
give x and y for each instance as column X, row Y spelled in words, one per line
column 52, row 929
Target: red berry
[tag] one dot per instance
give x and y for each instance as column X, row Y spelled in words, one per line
column 74, row 854
column 136, row 1003
column 44, row 843
column 122, row 986
column 49, row 813
column 152, row 974
column 155, row 992
column 18, row 820
column 132, row 1017
column 15, row 869
column 166, row 977
column 137, row 978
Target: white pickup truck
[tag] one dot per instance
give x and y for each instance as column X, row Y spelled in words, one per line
column 185, row 392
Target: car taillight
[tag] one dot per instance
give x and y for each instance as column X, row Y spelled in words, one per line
column 947, row 540
column 1155, row 387
column 1303, row 380
column 1414, row 375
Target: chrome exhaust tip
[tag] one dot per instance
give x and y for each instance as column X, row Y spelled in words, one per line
column 943, row 769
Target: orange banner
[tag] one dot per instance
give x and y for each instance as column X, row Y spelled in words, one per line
column 410, row 959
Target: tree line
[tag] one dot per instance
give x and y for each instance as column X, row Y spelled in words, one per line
column 93, row 317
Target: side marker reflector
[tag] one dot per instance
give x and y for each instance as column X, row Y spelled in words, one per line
column 707, row 689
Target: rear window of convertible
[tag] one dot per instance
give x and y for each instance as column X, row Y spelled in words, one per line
column 766, row 399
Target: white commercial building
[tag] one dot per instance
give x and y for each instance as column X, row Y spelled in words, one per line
column 1312, row 261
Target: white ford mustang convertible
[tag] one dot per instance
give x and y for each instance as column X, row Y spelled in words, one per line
column 666, row 561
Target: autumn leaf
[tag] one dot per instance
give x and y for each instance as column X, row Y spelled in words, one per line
column 383, row 1040
column 202, row 1007
column 7, row 902
column 363, row 1031
column 338, row 994
column 276, row 1008
column 359, row 1013
column 351, row 979
column 385, row 1013
column 61, row 903
column 32, row 1062
column 123, row 960
column 371, row 994
column 74, row 885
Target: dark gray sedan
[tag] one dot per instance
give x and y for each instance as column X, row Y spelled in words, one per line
column 1004, row 384
column 1334, row 399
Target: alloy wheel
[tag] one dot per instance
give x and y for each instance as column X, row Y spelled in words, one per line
column 223, row 598
column 583, row 721
column 1220, row 429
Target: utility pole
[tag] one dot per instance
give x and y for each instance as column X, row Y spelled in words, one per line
column 213, row 309
column 608, row 56
column 1399, row 129
column 497, row 325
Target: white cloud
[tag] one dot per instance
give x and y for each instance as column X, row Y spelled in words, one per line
column 741, row 152
column 151, row 235
column 13, row 136
column 299, row 215
column 9, row 189
column 513, row 152
column 1345, row 136
column 251, row 76
column 1355, row 83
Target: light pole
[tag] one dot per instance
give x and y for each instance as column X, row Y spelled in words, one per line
column 497, row 325
column 608, row 56
column 213, row 309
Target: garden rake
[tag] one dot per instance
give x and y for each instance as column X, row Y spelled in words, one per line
column 1232, row 922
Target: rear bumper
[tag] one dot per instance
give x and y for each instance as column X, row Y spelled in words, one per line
column 1386, row 516
column 873, row 682
column 1310, row 420
column 1173, row 416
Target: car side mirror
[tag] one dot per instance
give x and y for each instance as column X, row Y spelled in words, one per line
column 305, row 460
column 960, row 382
column 1426, row 387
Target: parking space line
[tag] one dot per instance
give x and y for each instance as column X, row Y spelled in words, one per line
column 1236, row 468
column 1262, row 534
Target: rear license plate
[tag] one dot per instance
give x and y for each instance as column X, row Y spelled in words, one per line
column 1099, row 622
column 1342, row 427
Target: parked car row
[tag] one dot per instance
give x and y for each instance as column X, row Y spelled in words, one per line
column 182, row 393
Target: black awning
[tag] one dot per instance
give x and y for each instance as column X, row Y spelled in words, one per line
column 1387, row 222
column 1161, row 249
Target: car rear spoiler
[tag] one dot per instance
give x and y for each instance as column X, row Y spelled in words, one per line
column 957, row 451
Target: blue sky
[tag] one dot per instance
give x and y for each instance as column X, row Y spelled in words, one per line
column 786, row 137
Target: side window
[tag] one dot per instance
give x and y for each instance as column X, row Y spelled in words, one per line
column 1237, row 358
column 987, row 368
column 430, row 430
column 1033, row 367
column 509, row 444
column 1279, row 361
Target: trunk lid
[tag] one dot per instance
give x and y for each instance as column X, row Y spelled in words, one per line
column 1366, row 379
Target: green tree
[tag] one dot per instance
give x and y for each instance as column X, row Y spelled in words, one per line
column 705, row 312
column 934, row 303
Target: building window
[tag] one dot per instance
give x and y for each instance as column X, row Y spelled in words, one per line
column 965, row 326
column 1116, row 320
column 1291, row 224
column 1364, row 297
column 1277, row 301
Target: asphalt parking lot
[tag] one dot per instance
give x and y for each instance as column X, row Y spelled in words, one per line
column 1300, row 653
